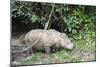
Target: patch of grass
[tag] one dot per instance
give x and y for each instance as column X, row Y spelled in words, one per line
column 31, row 59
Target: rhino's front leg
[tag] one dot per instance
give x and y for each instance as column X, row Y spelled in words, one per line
column 47, row 49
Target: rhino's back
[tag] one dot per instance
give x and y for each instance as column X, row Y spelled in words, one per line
column 33, row 35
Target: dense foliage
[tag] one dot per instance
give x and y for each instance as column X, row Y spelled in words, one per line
column 72, row 19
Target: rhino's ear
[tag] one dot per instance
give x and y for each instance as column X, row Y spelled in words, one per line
column 62, row 35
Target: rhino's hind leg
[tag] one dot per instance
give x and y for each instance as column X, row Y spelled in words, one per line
column 47, row 50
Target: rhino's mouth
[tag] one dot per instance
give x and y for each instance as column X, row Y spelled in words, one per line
column 69, row 46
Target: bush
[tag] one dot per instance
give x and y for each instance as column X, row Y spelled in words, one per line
column 73, row 19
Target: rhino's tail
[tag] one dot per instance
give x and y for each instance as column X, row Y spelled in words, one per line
column 21, row 38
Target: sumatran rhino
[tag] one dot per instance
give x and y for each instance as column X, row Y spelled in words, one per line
column 45, row 39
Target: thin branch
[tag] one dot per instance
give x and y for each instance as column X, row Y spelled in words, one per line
column 48, row 22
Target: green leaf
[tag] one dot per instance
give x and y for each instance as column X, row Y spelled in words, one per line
column 69, row 28
column 64, row 19
column 34, row 18
column 77, row 26
column 74, row 31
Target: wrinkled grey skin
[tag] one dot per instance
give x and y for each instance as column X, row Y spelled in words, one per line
column 47, row 39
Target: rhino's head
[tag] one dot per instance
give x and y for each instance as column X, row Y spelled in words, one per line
column 65, row 42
